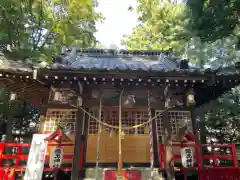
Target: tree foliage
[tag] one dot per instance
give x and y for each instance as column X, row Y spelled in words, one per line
column 25, row 117
column 161, row 27
column 223, row 118
column 35, row 30
column 215, row 19
column 40, row 27
column 206, row 32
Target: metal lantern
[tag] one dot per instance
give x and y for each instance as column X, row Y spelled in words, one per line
column 35, row 74
column 190, row 97
column 79, row 101
column 13, row 96
column 57, row 96
column 129, row 101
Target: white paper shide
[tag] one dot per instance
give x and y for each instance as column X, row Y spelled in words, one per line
column 56, row 157
column 187, row 156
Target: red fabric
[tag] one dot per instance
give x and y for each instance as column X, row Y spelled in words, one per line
column 129, row 175
column 219, row 174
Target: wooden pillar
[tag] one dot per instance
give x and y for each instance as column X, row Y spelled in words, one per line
column 79, row 141
column 194, row 119
column 169, row 160
column 201, row 125
column 198, row 125
column 43, row 109
column 85, row 135
column 77, row 146
column 155, row 141
column 9, row 135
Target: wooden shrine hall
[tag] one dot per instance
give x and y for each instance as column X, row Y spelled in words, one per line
column 119, row 106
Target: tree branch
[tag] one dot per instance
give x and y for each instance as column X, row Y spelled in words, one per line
column 35, row 44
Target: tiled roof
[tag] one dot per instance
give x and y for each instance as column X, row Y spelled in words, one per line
column 111, row 60
column 13, row 65
column 122, row 60
column 93, row 59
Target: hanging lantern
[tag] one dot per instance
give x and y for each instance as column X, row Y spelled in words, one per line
column 34, row 74
column 13, row 96
column 79, row 101
column 187, row 157
column 57, row 96
column 167, row 102
column 129, row 101
column 190, row 97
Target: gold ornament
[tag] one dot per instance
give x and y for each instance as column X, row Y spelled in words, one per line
column 122, row 134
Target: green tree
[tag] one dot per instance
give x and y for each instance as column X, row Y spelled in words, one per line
column 161, row 27
column 214, row 20
column 222, row 52
column 38, row 28
column 223, row 119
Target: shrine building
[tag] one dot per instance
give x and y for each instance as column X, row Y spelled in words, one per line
column 93, row 95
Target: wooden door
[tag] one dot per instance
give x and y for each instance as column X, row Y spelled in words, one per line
column 135, row 145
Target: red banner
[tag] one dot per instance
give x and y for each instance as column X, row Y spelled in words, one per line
column 128, row 175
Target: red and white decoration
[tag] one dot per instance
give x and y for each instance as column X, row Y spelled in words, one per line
column 56, row 157
column 36, row 157
column 187, row 157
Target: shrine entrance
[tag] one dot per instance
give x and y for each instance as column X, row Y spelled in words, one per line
column 135, row 143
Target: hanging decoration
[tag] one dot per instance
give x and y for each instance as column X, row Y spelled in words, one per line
column 13, row 96
column 150, row 135
column 146, row 130
column 124, row 128
column 187, row 157
column 190, row 97
column 112, row 133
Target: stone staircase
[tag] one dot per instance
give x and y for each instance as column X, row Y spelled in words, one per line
column 145, row 173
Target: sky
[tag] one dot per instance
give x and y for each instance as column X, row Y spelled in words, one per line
column 118, row 21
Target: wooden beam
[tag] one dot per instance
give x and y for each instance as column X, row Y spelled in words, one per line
column 155, row 141
column 85, row 135
column 43, row 111
column 201, row 125
column 9, row 135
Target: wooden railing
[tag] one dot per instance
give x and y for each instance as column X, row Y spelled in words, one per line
column 201, row 156
column 213, row 171
column 8, row 173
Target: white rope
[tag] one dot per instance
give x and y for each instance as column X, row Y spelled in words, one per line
column 98, row 138
column 124, row 128
column 150, row 135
